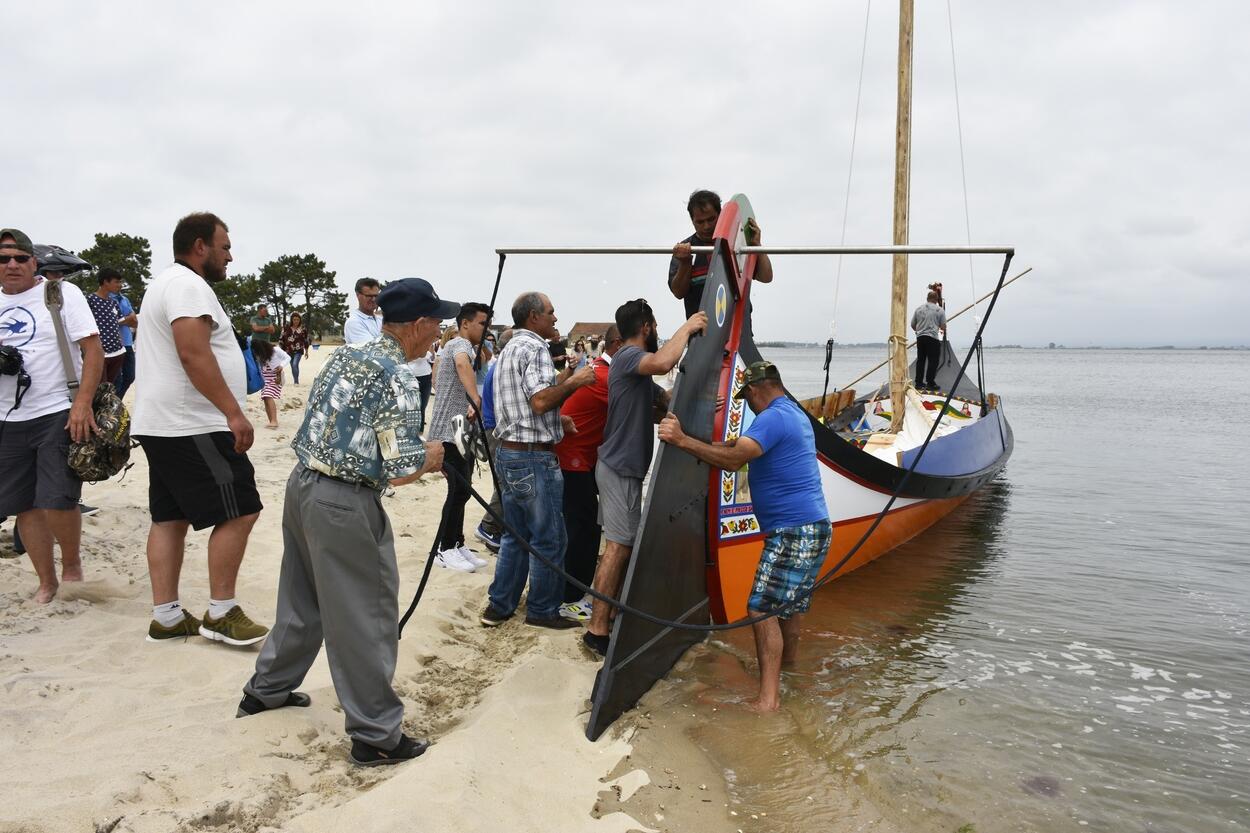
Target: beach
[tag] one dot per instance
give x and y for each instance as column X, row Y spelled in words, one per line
column 105, row 731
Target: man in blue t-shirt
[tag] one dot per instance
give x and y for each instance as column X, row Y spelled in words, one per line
column 790, row 505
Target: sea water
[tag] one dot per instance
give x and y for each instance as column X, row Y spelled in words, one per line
column 1067, row 651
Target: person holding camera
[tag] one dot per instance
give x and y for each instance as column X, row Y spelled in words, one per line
column 43, row 412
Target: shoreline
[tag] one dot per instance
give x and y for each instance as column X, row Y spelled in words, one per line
column 127, row 736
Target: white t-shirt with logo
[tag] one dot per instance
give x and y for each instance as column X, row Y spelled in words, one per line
column 166, row 403
column 26, row 323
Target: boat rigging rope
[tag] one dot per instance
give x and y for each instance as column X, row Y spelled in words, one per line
column 846, row 205
column 963, row 171
column 750, row 620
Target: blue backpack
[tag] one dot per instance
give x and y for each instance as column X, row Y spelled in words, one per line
column 254, row 380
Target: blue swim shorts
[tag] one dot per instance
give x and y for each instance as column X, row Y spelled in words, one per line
column 788, row 566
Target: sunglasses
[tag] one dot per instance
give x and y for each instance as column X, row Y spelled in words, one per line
column 4, row 259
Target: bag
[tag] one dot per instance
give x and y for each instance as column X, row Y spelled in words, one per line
column 254, row 380
column 108, row 451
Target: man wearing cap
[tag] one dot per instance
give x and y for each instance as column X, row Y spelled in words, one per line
column 339, row 580
column 41, row 414
column 188, row 416
column 790, row 506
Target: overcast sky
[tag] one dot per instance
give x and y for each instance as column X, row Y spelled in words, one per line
column 1105, row 140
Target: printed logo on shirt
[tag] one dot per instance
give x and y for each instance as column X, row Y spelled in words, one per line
column 17, row 326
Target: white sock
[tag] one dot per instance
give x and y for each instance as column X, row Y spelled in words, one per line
column 168, row 614
column 219, row 609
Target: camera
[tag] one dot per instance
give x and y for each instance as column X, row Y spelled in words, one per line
column 10, row 360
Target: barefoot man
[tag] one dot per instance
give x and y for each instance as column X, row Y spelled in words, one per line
column 790, row 506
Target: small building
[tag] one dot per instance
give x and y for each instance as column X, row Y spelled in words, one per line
column 589, row 330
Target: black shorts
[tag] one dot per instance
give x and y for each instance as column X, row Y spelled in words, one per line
column 200, row 479
column 34, row 466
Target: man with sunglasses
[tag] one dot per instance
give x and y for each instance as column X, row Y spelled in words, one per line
column 42, row 415
column 362, row 323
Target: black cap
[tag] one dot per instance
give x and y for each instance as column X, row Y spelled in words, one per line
column 408, row 299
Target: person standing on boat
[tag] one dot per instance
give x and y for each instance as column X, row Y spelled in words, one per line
column 528, row 395
column 929, row 322
column 339, row 581
column 628, row 443
column 790, row 506
column 687, row 271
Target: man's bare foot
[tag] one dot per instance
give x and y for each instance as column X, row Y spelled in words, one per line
column 763, row 706
column 275, row 425
column 71, row 573
column 45, row 593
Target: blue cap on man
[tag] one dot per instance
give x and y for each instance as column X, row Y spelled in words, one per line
column 408, row 299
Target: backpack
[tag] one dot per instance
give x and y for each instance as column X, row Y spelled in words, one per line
column 254, row 380
column 107, row 452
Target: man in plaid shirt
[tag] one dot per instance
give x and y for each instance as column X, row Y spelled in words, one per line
column 528, row 394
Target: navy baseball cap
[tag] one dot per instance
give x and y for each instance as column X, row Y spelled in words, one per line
column 408, row 299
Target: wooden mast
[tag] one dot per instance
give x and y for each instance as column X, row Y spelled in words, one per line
column 902, row 193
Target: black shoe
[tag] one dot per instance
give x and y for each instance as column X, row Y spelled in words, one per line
column 555, row 623
column 250, row 705
column 365, row 755
column 596, row 643
column 492, row 618
column 86, row 509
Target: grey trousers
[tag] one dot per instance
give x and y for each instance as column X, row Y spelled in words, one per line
column 340, row 582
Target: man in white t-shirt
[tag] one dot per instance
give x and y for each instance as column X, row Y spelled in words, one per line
column 40, row 418
column 362, row 323
column 189, row 395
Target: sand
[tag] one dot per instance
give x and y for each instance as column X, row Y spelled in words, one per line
column 103, row 731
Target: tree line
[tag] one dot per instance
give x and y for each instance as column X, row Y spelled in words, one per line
column 291, row 283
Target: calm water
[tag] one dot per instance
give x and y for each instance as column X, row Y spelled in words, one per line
column 1067, row 651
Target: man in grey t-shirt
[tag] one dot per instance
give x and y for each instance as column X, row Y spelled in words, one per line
column 627, row 443
column 455, row 392
column 929, row 322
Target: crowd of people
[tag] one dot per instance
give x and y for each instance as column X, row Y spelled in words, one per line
column 571, row 442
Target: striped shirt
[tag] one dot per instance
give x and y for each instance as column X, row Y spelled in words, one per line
column 524, row 368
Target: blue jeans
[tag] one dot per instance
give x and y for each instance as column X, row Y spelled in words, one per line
column 295, row 357
column 127, row 377
column 533, row 497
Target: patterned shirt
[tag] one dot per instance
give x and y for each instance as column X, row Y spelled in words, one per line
column 524, row 369
column 363, row 422
column 106, row 314
column 450, row 397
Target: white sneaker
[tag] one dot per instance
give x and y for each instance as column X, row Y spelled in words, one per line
column 471, row 557
column 453, row 560
column 577, row 611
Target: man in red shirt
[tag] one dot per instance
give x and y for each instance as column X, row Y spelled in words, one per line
column 578, row 453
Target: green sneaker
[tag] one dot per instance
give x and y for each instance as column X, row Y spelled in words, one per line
column 233, row 629
column 189, row 626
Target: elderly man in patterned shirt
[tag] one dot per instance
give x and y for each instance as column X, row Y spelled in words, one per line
column 528, row 394
column 339, row 580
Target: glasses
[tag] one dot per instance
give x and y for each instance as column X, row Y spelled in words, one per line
column 4, row 259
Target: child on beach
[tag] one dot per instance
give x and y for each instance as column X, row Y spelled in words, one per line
column 271, row 359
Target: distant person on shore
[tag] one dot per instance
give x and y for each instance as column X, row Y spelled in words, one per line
column 687, row 272
column 929, row 323
column 490, row 531
column 126, row 326
column 628, row 440
column 423, row 369
column 790, row 504
column 271, row 359
column 41, row 418
column 189, row 418
column 263, row 328
column 108, row 319
column 455, row 394
column 362, row 323
column 294, row 342
column 578, row 453
column 528, row 395
column 339, row 581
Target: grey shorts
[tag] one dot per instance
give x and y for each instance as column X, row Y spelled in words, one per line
column 620, row 504
column 34, row 467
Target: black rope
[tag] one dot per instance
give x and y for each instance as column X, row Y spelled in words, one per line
column 750, row 620
column 825, row 392
column 425, row 576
